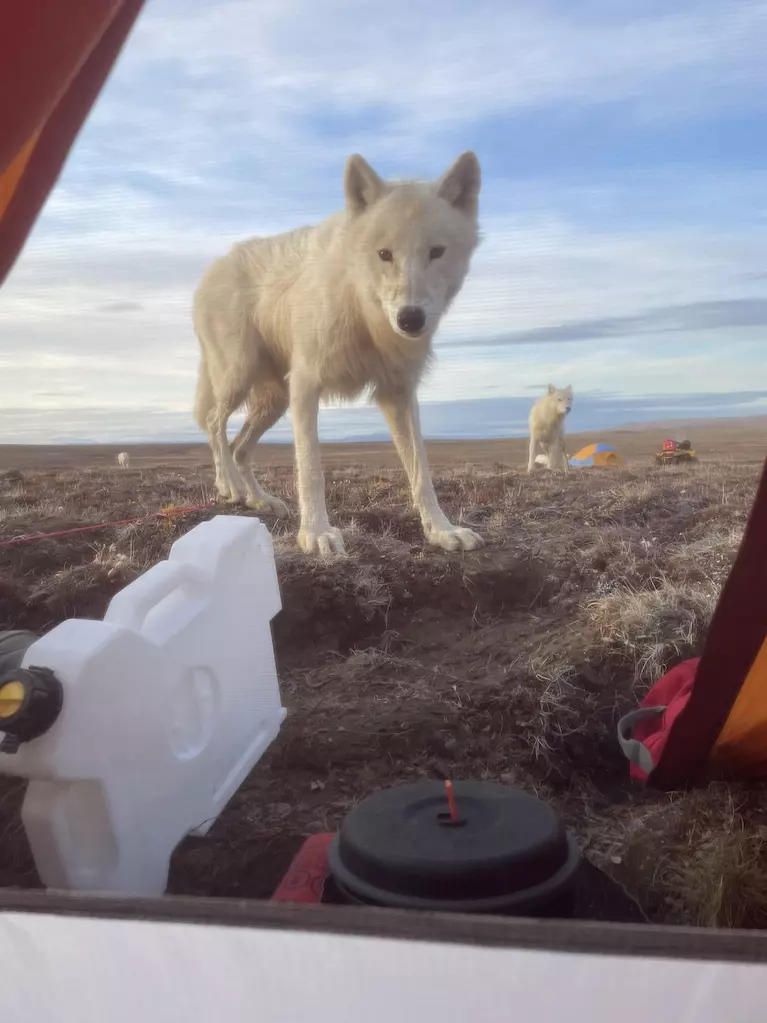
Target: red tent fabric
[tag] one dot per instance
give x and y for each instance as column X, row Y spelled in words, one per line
column 54, row 59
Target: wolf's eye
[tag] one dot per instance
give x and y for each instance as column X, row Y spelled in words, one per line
column 385, row 255
column 437, row 252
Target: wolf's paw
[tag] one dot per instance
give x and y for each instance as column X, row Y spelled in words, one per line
column 325, row 542
column 267, row 503
column 229, row 491
column 230, row 496
column 456, row 538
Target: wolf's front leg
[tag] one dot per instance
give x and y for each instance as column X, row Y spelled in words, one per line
column 315, row 533
column 564, row 461
column 401, row 413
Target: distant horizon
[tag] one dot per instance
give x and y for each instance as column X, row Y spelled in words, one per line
column 461, row 419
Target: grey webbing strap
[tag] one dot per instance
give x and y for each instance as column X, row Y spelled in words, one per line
column 633, row 750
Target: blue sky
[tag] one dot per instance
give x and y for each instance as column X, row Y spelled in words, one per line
column 624, row 211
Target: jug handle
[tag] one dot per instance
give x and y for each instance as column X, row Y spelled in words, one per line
column 130, row 606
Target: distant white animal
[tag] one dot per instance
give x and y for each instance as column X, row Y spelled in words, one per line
column 547, row 428
column 328, row 312
column 123, row 460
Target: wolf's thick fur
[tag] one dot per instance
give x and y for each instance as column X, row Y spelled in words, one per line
column 327, row 312
column 547, row 427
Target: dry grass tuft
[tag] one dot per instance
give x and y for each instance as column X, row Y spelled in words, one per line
column 658, row 626
column 700, row 856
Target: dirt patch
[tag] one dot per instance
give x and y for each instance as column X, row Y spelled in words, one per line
column 398, row 661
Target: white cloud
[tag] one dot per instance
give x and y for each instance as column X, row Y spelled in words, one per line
column 720, row 362
column 447, row 60
column 201, row 81
column 536, row 272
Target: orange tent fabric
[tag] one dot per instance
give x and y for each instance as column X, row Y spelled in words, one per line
column 54, row 59
column 741, row 747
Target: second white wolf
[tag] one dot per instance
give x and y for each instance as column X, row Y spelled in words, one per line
column 327, row 312
column 547, row 427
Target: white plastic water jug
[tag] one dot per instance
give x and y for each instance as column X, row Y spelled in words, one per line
column 166, row 706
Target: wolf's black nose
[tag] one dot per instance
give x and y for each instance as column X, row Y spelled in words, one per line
column 411, row 319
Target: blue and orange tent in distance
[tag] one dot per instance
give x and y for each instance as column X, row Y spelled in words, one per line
column 596, row 454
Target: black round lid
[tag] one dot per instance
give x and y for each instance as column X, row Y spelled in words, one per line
column 400, row 847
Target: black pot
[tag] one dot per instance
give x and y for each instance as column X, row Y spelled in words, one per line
column 507, row 852
column 13, row 646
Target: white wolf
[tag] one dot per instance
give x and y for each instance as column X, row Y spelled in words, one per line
column 547, row 427
column 326, row 312
column 123, row 460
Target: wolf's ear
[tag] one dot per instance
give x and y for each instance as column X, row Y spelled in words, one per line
column 569, row 389
column 460, row 184
column 551, row 389
column 362, row 185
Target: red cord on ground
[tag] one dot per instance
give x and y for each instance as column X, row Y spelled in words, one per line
column 164, row 513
